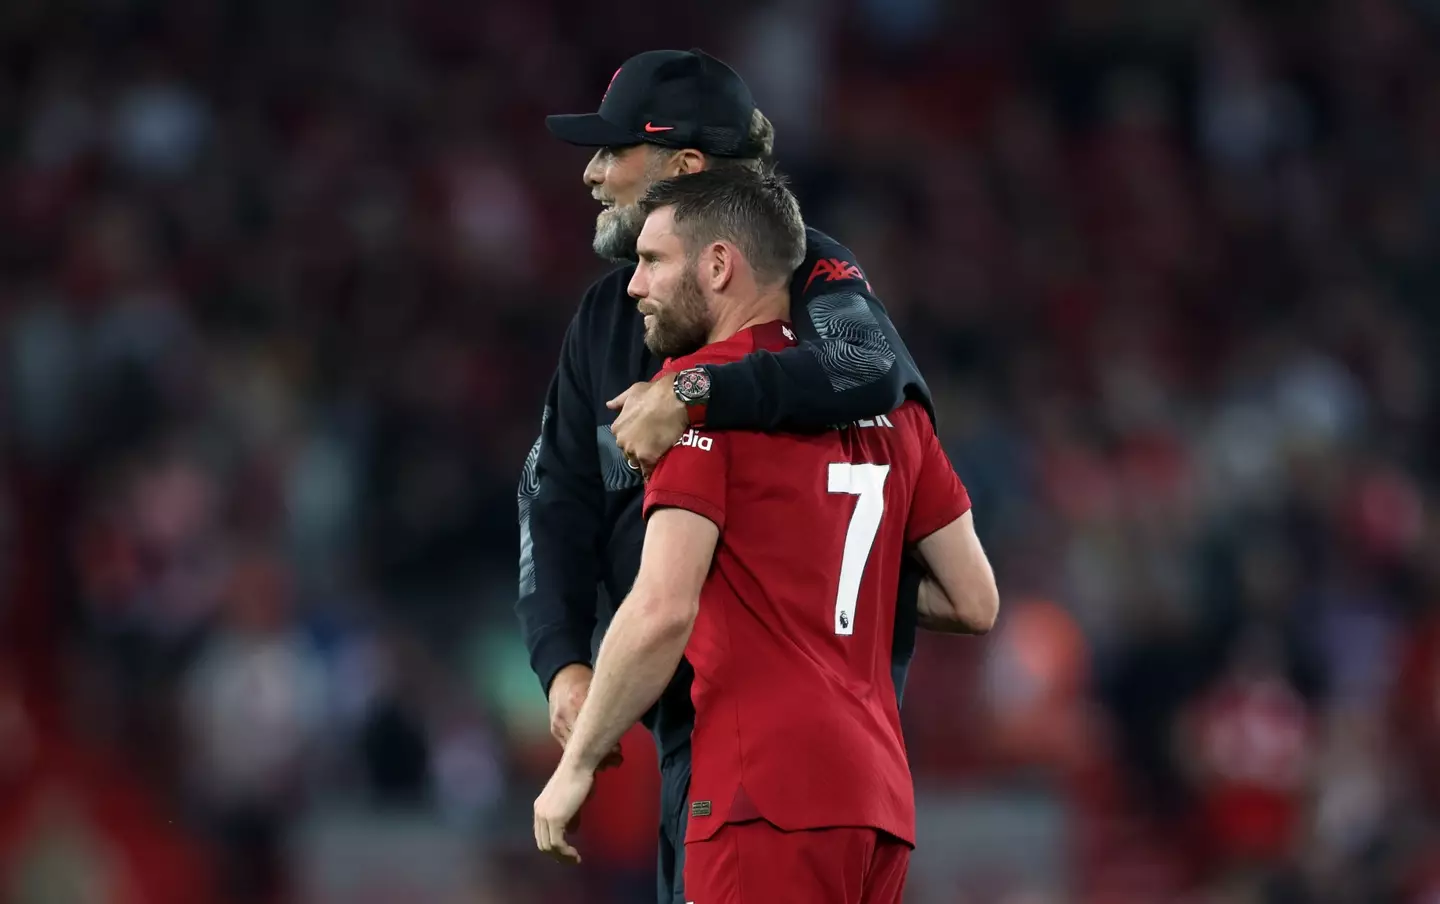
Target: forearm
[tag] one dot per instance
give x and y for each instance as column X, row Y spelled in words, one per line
column 941, row 614
column 558, row 579
column 637, row 659
column 561, row 504
column 850, row 364
column 791, row 390
column 559, row 520
column 935, row 611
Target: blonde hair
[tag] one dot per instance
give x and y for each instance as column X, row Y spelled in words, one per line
column 762, row 136
column 759, row 148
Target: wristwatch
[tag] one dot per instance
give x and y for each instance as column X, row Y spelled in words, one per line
column 692, row 388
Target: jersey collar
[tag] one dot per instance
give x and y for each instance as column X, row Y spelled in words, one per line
column 773, row 336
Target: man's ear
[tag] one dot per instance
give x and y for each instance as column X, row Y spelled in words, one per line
column 719, row 263
column 686, row 162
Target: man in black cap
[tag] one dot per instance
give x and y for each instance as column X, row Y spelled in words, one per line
column 665, row 114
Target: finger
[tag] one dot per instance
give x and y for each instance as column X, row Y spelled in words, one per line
column 649, row 459
column 552, row 842
column 560, row 849
column 624, row 425
column 618, row 402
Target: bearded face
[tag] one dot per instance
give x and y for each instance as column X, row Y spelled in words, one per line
column 619, row 178
column 679, row 324
column 616, row 229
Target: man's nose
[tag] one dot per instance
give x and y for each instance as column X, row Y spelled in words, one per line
column 594, row 172
column 637, row 286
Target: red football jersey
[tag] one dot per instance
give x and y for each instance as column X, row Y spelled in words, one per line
column 796, row 719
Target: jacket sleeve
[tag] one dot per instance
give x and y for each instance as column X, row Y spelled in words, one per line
column 850, row 362
column 561, row 501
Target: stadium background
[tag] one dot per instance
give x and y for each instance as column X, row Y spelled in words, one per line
column 281, row 285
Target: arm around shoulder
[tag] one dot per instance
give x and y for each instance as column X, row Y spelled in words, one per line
column 850, row 362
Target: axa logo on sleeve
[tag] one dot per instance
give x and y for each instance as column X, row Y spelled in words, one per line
column 693, row 438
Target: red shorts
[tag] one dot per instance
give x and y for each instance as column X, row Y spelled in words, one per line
column 756, row 863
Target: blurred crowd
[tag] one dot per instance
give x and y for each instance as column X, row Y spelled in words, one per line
column 282, row 284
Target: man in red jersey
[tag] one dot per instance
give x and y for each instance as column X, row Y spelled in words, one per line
column 771, row 562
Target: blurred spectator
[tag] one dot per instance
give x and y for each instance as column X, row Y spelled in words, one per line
column 254, row 711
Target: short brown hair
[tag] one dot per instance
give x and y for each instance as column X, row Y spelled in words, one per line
column 752, row 210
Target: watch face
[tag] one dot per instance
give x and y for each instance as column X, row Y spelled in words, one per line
column 693, row 385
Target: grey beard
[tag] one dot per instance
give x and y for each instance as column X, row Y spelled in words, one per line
column 616, row 233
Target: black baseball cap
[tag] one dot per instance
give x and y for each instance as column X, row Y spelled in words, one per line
column 673, row 98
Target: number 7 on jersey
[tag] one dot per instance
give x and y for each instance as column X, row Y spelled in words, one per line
column 868, row 483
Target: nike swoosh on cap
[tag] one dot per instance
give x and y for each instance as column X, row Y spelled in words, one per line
column 650, row 127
